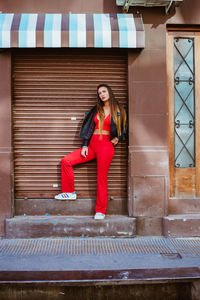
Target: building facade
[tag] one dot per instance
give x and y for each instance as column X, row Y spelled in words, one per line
column 47, row 83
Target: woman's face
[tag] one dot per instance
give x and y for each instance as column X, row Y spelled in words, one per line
column 103, row 93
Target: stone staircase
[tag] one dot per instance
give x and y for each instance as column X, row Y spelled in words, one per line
column 70, row 226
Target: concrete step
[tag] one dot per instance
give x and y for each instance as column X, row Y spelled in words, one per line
column 181, row 225
column 68, row 226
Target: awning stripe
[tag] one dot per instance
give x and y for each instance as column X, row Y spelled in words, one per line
column 106, row 29
column 48, row 27
column 5, row 27
column 127, row 31
column 98, row 35
column 31, row 36
column 77, row 31
column 81, row 33
column 27, row 29
column 71, row 30
column 14, row 30
column 90, row 31
column 56, row 31
column 39, row 30
column 131, row 30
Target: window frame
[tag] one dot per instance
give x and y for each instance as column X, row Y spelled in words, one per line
column 183, row 181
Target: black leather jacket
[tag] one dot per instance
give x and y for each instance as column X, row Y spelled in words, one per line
column 88, row 126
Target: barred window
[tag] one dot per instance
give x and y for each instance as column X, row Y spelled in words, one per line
column 184, row 103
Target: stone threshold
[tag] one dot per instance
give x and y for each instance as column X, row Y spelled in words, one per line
column 181, row 225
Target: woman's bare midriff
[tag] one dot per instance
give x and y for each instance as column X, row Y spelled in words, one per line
column 97, row 131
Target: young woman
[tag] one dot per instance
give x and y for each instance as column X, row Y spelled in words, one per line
column 103, row 127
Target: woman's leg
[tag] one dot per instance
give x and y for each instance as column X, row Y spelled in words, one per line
column 67, row 173
column 104, row 157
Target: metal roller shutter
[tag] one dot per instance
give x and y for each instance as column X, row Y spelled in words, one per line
column 51, row 91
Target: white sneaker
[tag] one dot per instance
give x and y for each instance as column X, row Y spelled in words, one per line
column 99, row 216
column 66, row 196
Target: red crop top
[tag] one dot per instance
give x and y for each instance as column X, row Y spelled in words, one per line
column 106, row 123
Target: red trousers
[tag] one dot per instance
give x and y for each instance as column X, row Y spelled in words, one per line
column 103, row 151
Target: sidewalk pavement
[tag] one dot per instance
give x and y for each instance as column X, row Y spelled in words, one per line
column 78, row 261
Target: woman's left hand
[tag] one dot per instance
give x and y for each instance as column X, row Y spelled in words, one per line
column 115, row 141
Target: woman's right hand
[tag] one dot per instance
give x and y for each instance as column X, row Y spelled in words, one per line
column 84, row 151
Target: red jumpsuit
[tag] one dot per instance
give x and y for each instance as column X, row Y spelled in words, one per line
column 100, row 148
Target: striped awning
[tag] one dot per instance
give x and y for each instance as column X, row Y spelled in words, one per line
column 71, row 30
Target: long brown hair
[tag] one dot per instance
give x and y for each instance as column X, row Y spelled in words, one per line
column 118, row 113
